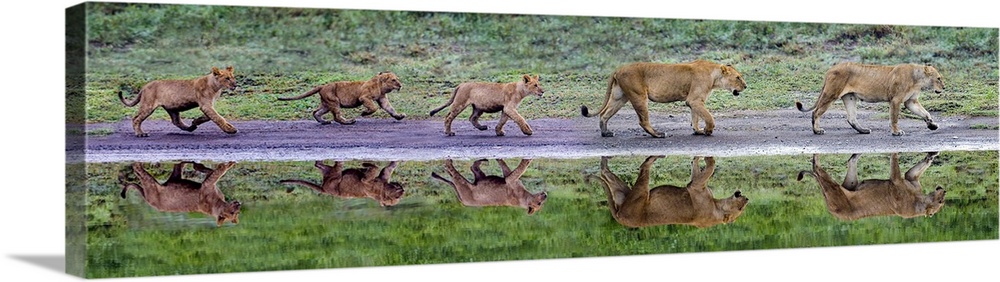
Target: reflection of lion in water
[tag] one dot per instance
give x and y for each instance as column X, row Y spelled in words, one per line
column 900, row 195
column 181, row 195
column 639, row 206
column 898, row 85
column 367, row 182
column 492, row 190
column 639, row 83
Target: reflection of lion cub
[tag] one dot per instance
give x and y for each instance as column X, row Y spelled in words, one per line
column 488, row 97
column 491, row 190
column 351, row 94
column 638, row 83
column 367, row 182
column 176, row 96
column 640, row 206
column 898, row 85
column 182, row 195
column 900, row 195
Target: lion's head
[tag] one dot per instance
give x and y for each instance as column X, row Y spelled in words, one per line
column 389, row 81
column 224, row 77
column 731, row 80
column 229, row 212
column 935, row 201
column 536, row 202
column 391, row 194
column 732, row 207
column 531, row 85
column 930, row 77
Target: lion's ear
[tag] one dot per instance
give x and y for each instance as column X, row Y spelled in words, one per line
column 724, row 69
column 538, row 78
column 215, row 70
column 527, row 78
column 229, row 68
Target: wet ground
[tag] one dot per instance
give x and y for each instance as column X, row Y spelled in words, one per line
column 737, row 133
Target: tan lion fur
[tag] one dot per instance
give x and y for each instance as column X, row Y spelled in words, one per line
column 371, row 94
column 639, row 206
column 898, row 85
column 176, row 96
column 900, row 195
column 182, row 195
column 487, row 97
column 639, row 83
column 493, row 190
column 366, row 182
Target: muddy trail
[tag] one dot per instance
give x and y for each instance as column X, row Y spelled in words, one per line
column 737, row 133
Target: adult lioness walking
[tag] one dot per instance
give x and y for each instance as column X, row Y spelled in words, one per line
column 489, row 97
column 176, row 96
column 898, row 85
column 692, row 82
column 350, row 94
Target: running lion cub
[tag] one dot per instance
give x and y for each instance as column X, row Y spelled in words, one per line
column 899, row 195
column 182, row 195
column 489, row 97
column 371, row 94
column 494, row 190
column 366, row 182
column 639, row 206
column 176, row 96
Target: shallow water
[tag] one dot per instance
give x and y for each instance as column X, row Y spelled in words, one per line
column 288, row 225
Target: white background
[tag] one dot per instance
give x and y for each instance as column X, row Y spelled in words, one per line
column 32, row 227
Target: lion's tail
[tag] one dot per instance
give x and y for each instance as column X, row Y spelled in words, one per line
column 607, row 99
column 121, row 96
column 307, row 94
column 804, row 173
column 450, row 100
column 438, row 177
column 314, row 186
column 802, row 107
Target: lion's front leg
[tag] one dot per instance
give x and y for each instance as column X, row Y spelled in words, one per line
column 369, row 105
column 698, row 110
column 209, row 110
column 914, row 106
column 512, row 113
column 384, row 102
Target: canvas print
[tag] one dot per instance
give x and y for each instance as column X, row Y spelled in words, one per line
column 217, row 139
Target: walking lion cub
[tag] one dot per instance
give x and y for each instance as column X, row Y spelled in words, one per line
column 489, row 97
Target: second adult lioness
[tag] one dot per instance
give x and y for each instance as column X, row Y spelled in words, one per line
column 898, row 85
column 350, row 94
column 692, row 82
column 900, row 195
column 489, row 97
column 176, row 96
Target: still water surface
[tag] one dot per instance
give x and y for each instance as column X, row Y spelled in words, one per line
column 189, row 216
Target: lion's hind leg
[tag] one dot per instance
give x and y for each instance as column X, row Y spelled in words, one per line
column 175, row 118
column 318, row 114
column 474, row 119
column 615, row 103
column 851, row 105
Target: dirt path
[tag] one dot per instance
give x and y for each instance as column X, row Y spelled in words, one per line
column 737, row 133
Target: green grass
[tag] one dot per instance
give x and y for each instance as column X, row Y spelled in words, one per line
column 286, row 51
column 305, row 230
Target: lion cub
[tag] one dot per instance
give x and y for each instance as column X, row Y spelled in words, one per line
column 366, row 182
column 350, row 94
column 176, row 96
column 489, row 97
column 493, row 190
column 898, row 85
column 900, row 195
column 182, row 195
